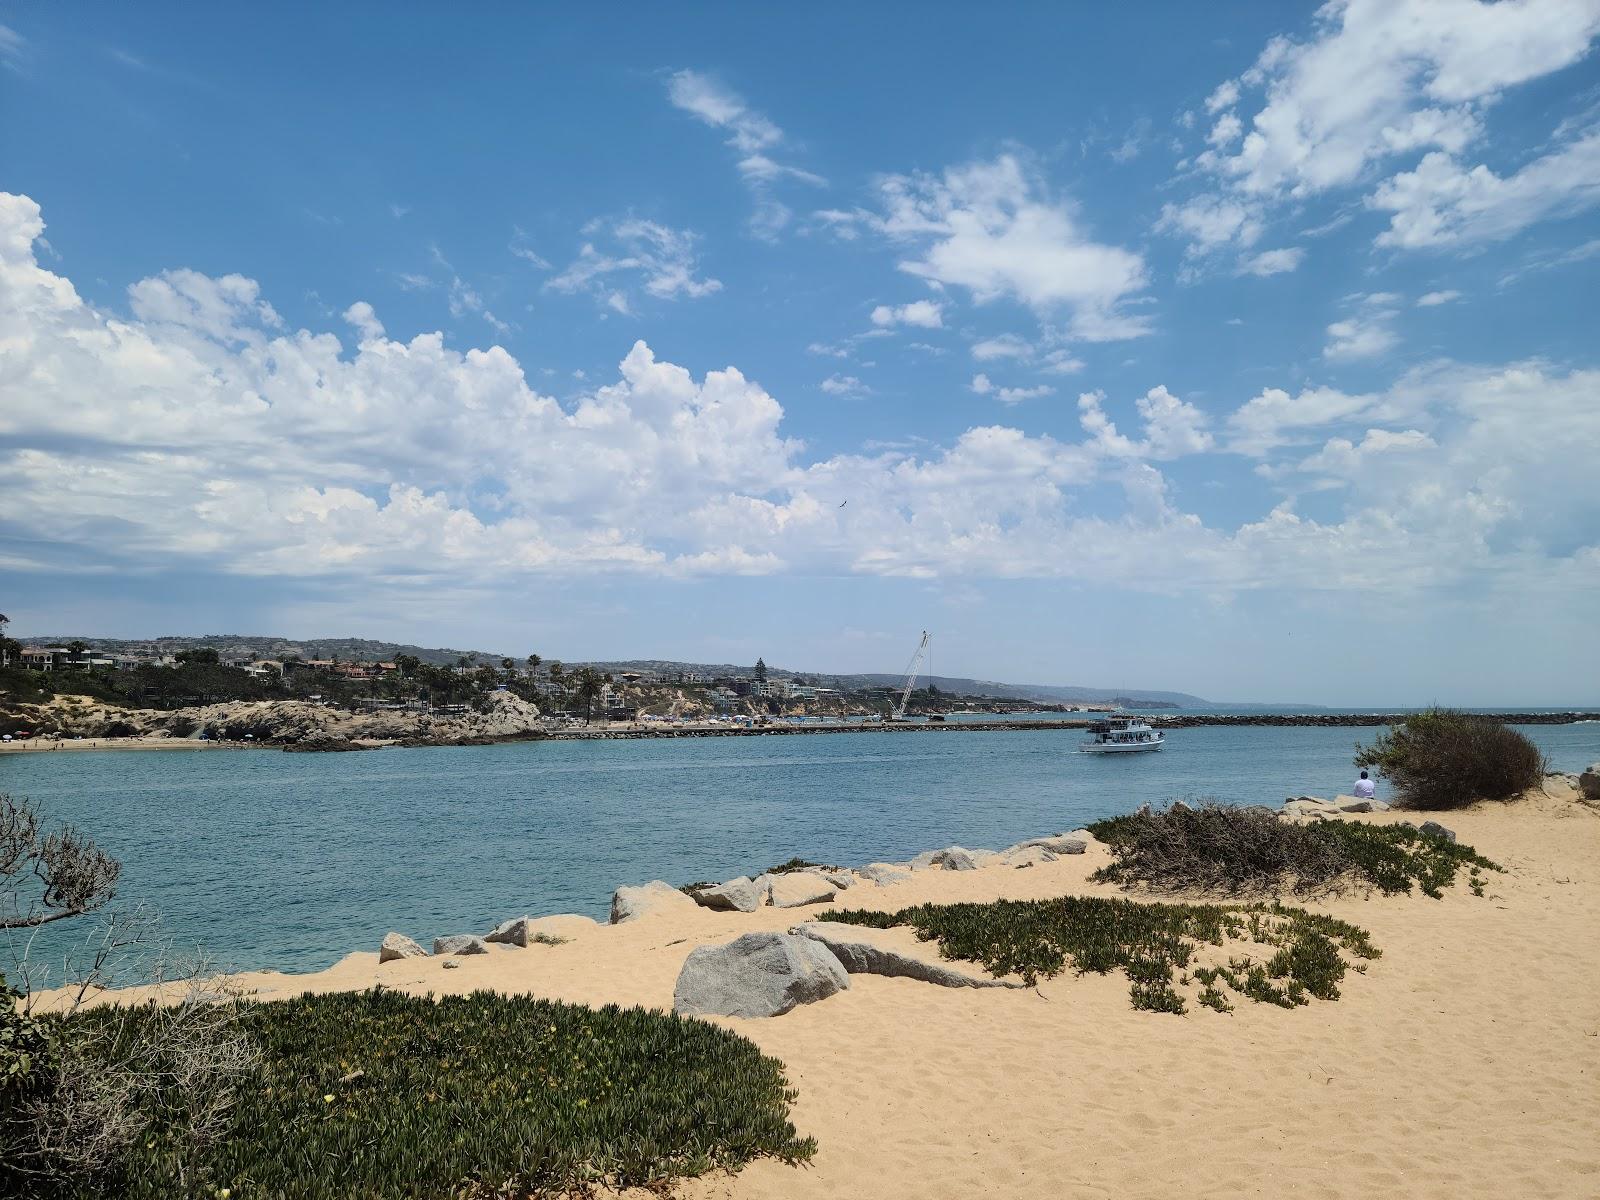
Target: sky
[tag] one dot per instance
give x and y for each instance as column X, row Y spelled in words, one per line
column 1248, row 350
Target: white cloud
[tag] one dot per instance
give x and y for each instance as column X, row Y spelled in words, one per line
column 664, row 261
column 1273, row 262
column 752, row 136
column 924, row 314
column 1015, row 395
column 1375, row 81
column 1349, row 462
column 259, row 450
column 1434, row 299
column 844, row 385
column 1360, row 338
column 1062, row 362
column 981, row 384
column 1006, row 345
column 991, row 229
column 1442, row 203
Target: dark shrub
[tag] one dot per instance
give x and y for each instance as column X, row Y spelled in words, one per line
column 382, row 1094
column 1235, row 851
column 1147, row 942
column 1447, row 759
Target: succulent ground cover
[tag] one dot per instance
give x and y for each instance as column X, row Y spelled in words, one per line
column 1155, row 945
column 1218, row 848
column 381, row 1094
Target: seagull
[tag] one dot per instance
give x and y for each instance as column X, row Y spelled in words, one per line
column 842, row 503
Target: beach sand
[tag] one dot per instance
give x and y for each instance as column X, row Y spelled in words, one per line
column 1465, row 1062
column 51, row 745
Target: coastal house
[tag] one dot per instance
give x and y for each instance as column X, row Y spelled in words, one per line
column 43, row 658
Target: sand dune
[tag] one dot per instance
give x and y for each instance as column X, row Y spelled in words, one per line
column 1465, row 1062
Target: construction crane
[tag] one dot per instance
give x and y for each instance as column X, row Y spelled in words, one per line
column 911, row 677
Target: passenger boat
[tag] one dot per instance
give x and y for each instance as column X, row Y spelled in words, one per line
column 1122, row 735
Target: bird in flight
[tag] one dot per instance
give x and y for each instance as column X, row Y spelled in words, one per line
column 842, row 503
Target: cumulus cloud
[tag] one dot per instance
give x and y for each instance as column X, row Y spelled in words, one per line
column 924, row 314
column 1434, row 299
column 200, row 435
column 1273, row 262
column 1006, row 345
column 1381, row 80
column 992, row 229
column 844, row 385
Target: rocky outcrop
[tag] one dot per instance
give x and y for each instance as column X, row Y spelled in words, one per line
column 1589, row 782
column 736, row 895
column 1027, row 856
column 892, row 952
column 956, row 858
column 631, row 903
column 794, row 889
column 460, row 943
column 1061, row 843
column 398, row 945
column 757, row 975
column 883, row 874
column 531, row 931
column 1434, row 829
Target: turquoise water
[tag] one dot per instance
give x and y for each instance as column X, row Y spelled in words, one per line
column 282, row 860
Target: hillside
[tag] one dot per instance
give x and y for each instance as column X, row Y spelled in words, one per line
column 370, row 650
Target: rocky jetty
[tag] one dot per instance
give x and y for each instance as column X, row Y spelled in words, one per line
column 293, row 724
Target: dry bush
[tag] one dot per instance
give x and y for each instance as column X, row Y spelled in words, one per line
column 1442, row 758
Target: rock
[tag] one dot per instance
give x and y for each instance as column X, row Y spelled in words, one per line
column 893, row 952
column 1308, row 800
column 883, row 874
column 1589, row 782
column 451, row 964
column 1353, row 804
column 926, row 860
column 1302, row 808
column 955, row 858
column 1027, row 856
column 460, row 943
column 1060, row 844
column 737, row 895
column 1434, row 829
column 398, row 945
column 631, row 903
column 561, row 925
column 795, row 888
column 529, row 931
column 839, row 879
column 757, row 975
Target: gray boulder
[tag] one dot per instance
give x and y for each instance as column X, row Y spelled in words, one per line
column 1027, row 856
column 1589, row 782
column 1061, row 843
column 956, row 858
column 795, row 888
column 631, row 903
column 757, row 975
column 926, row 861
column 1434, row 829
column 460, row 943
column 398, row 945
column 883, row 874
column 737, row 895
column 866, row 951
column 1302, row 808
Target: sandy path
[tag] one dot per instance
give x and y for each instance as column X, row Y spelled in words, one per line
column 1466, row 1062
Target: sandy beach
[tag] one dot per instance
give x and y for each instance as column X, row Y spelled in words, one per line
column 52, row 745
column 1464, row 1062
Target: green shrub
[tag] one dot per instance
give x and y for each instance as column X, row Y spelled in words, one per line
column 1238, row 851
column 1443, row 759
column 1041, row 938
column 381, row 1094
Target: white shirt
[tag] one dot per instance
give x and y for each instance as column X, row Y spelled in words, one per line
column 1364, row 789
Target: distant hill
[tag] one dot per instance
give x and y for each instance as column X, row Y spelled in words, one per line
column 368, row 650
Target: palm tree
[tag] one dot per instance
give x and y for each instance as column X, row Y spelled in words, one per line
column 587, row 691
column 533, row 664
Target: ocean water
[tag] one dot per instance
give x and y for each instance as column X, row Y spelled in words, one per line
column 267, row 859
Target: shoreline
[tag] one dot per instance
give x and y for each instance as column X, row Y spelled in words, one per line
column 637, row 731
column 1478, row 1015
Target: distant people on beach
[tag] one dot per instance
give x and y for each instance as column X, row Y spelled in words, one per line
column 1364, row 787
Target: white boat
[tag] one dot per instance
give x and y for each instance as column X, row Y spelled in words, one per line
column 1122, row 735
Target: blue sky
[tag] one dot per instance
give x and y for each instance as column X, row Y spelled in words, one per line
column 1243, row 350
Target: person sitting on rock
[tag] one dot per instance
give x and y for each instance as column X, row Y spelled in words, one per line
column 1364, row 788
